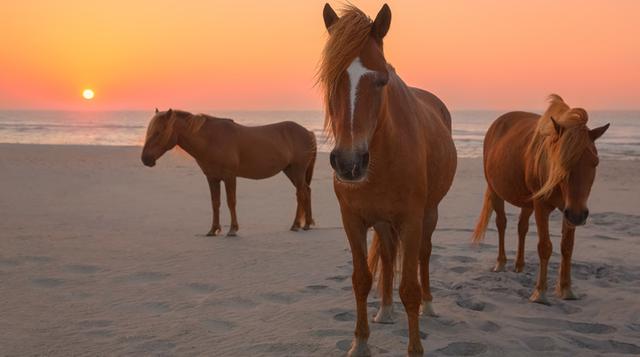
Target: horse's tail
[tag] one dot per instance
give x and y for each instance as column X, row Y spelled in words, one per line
column 312, row 162
column 375, row 257
column 483, row 220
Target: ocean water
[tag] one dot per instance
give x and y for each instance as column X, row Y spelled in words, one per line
column 125, row 128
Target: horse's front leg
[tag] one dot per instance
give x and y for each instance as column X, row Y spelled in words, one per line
column 542, row 211
column 430, row 222
column 563, row 289
column 230, row 189
column 214, row 188
column 411, row 234
column 361, row 279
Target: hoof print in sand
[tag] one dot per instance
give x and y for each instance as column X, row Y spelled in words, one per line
column 47, row 282
column 463, row 349
column 202, row 288
column 81, row 269
column 405, row 333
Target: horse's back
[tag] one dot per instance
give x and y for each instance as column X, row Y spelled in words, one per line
column 432, row 101
column 442, row 156
column 505, row 147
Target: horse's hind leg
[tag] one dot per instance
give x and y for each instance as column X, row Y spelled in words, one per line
column 501, row 223
column 523, row 228
column 214, row 188
column 385, row 252
column 296, row 176
column 430, row 221
column 230, row 187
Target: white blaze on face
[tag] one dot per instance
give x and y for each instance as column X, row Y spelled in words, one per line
column 356, row 71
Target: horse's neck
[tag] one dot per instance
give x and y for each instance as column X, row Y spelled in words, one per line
column 191, row 142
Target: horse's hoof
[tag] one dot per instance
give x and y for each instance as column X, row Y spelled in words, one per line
column 500, row 267
column 306, row 228
column 539, row 297
column 426, row 309
column 384, row 315
column 214, row 232
column 566, row 293
column 232, row 233
column 418, row 353
column 359, row 348
column 295, row 228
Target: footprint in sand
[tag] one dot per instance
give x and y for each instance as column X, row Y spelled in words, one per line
column 344, row 316
column 315, row 288
column 8, row 263
column 580, row 327
column 81, row 269
column 232, row 303
column 460, row 269
column 539, row 343
column 202, row 288
column 280, row 298
column 463, row 349
column 86, row 324
column 39, row 259
column 405, row 333
column 157, row 346
column 156, row 307
column 143, row 277
column 489, row 326
column 472, row 304
column 218, row 326
column 345, row 345
column 338, row 278
column 331, row 333
column 603, row 346
column 47, row 282
column 463, row 259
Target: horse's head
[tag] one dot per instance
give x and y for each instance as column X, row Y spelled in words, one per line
column 572, row 159
column 161, row 137
column 354, row 74
column 576, row 187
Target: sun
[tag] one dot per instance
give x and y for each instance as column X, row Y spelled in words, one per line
column 88, row 94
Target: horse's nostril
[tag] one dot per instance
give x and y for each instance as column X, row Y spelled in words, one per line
column 332, row 160
column 365, row 159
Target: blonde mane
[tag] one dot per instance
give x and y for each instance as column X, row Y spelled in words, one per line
column 348, row 36
column 555, row 155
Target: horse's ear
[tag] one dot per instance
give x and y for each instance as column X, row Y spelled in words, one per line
column 157, row 111
column 169, row 113
column 594, row 134
column 330, row 16
column 382, row 23
column 558, row 129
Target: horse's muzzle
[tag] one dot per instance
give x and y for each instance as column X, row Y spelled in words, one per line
column 350, row 166
column 148, row 161
column 576, row 218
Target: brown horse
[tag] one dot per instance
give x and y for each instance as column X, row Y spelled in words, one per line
column 540, row 163
column 394, row 160
column 225, row 150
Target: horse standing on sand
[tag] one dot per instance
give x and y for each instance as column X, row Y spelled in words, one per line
column 540, row 163
column 394, row 161
column 225, row 150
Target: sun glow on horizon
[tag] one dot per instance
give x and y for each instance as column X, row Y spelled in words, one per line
column 88, row 94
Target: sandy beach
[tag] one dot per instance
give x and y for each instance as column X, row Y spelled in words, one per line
column 100, row 255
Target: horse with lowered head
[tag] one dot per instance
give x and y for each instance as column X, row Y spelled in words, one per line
column 394, row 160
column 225, row 150
column 540, row 163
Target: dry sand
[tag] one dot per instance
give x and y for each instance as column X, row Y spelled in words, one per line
column 102, row 256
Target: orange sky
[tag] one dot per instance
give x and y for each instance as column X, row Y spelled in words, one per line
column 240, row 54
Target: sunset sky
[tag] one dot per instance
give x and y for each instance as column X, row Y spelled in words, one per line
column 255, row 55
